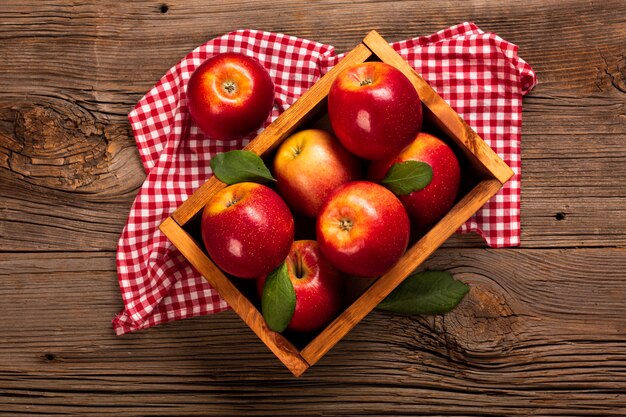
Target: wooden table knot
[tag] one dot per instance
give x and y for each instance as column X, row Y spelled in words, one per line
column 482, row 326
column 61, row 145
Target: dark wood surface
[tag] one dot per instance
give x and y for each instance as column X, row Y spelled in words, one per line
column 542, row 331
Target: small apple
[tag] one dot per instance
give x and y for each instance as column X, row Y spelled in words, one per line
column 308, row 166
column 318, row 286
column 363, row 229
column 374, row 110
column 426, row 206
column 247, row 229
column 230, row 95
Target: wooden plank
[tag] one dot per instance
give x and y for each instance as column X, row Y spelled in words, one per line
column 541, row 333
column 36, row 218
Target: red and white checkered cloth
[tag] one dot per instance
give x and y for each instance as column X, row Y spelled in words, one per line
column 478, row 73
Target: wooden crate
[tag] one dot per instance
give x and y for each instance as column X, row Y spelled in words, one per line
column 487, row 173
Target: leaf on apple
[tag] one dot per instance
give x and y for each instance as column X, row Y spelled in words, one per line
column 240, row 166
column 278, row 300
column 427, row 292
column 405, row 177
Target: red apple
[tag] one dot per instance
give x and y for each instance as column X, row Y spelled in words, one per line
column 318, row 287
column 308, row 166
column 230, row 95
column 374, row 110
column 247, row 229
column 363, row 229
column 428, row 205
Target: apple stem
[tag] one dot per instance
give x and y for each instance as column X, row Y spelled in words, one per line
column 229, row 86
column 297, row 150
column 299, row 266
column 232, row 202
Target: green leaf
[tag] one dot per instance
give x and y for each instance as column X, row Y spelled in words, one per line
column 278, row 301
column 428, row 292
column 405, row 177
column 240, row 166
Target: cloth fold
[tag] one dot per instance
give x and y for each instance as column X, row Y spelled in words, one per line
column 478, row 73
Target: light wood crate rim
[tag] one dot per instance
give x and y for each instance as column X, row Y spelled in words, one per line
column 453, row 125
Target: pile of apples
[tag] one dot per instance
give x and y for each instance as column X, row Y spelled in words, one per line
column 362, row 228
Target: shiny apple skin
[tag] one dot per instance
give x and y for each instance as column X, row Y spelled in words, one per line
column 363, row 229
column 426, row 206
column 374, row 110
column 318, row 286
column 247, row 229
column 309, row 165
column 230, row 95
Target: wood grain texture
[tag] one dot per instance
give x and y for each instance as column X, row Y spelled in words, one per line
column 541, row 332
column 526, row 341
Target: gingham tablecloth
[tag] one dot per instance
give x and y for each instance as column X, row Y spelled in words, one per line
column 478, row 73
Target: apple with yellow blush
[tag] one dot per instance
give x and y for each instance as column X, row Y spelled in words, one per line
column 308, row 166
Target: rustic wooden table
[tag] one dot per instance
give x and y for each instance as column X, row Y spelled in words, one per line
column 542, row 331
